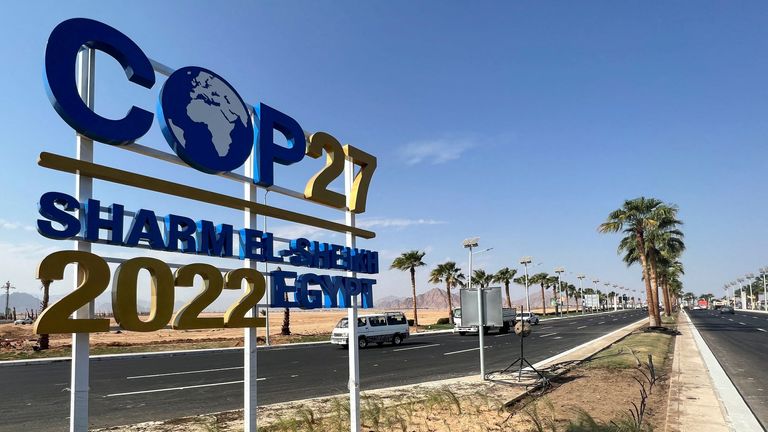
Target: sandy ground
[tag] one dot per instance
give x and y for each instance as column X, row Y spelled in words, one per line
column 305, row 323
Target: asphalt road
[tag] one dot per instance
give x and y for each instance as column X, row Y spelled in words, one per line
column 740, row 344
column 132, row 390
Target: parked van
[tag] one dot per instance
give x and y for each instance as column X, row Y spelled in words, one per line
column 375, row 328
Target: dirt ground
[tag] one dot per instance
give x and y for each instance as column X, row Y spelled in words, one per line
column 303, row 323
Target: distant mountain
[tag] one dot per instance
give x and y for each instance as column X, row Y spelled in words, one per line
column 21, row 301
column 436, row 298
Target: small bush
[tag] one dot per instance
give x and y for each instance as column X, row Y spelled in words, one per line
column 443, row 321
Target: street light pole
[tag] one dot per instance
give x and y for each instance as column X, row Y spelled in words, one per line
column 595, row 281
column 559, row 272
column 763, row 270
column 751, row 276
column 469, row 244
column 742, row 292
column 525, row 261
column 581, row 294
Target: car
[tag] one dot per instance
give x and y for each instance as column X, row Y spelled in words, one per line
column 23, row 321
column 726, row 310
column 389, row 327
column 528, row 316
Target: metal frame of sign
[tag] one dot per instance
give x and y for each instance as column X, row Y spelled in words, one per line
column 86, row 70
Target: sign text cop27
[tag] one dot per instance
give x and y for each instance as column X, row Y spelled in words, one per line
column 207, row 124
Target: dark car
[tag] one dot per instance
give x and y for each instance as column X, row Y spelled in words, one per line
column 726, row 310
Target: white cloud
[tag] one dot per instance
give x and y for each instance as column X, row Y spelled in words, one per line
column 9, row 225
column 396, row 222
column 436, row 151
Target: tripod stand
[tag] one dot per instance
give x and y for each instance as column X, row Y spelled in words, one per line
column 523, row 362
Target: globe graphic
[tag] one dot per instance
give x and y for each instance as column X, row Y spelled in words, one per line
column 204, row 120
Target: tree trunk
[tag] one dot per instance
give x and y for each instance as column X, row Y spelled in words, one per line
column 43, row 342
column 413, row 286
column 655, row 287
column 450, row 303
column 543, row 300
column 653, row 320
column 509, row 299
column 285, row 330
column 667, row 297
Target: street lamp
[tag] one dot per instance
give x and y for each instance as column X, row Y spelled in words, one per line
column 749, row 277
column 559, row 271
column 742, row 292
column 595, row 281
column 525, row 261
column 469, row 244
column 581, row 293
column 608, row 289
column 763, row 271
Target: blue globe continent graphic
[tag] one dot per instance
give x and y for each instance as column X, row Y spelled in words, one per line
column 205, row 121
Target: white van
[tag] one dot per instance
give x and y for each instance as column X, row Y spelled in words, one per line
column 376, row 328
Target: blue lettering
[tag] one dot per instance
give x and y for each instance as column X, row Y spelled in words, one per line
column 94, row 222
column 145, row 227
column 48, row 208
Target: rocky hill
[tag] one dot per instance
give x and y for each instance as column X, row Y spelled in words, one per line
column 436, row 298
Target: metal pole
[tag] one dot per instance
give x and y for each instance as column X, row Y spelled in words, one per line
column 581, row 295
column 527, row 298
column 250, row 370
column 560, row 293
column 78, row 408
column 765, row 292
column 481, row 321
column 354, row 359
column 7, row 298
column 266, row 274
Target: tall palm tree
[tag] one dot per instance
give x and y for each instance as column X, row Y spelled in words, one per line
column 541, row 279
column 553, row 282
column 505, row 276
column 481, row 278
column 571, row 291
column 637, row 218
column 449, row 273
column 408, row 261
column 43, row 340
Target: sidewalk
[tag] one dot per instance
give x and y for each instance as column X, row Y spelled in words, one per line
column 693, row 402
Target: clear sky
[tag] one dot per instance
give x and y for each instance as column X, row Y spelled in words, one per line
column 523, row 123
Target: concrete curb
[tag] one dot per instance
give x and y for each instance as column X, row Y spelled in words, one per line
column 738, row 415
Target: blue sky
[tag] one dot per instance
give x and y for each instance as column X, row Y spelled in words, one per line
column 523, row 123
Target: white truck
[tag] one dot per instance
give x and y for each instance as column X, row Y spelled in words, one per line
column 508, row 318
column 389, row 327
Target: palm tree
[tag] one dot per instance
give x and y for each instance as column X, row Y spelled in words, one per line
column 408, row 261
column 552, row 282
column 637, row 218
column 481, row 278
column 571, row 291
column 541, row 279
column 505, row 276
column 449, row 273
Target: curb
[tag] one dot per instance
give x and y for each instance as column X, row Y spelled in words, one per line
column 739, row 416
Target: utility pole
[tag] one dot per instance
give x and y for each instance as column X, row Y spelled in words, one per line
column 8, row 289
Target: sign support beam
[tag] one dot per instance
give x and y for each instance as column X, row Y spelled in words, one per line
column 78, row 415
column 354, row 359
column 250, row 370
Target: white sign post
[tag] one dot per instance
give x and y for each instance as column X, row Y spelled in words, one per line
column 354, row 361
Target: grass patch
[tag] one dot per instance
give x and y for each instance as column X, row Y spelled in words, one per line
column 634, row 348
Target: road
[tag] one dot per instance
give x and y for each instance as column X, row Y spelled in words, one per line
column 740, row 344
column 132, row 390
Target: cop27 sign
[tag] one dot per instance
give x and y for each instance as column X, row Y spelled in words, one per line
column 210, row 128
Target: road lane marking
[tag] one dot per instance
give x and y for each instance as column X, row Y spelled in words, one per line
column 415, row 347
column 579, row 328
column 741, row 323
column 601, row 322
column 548, row 334
column 178, row 388
column 762, row 330
column 615, row 319
column 463, row 351
column 501, row 335
column 184, row 373
column 730, row 319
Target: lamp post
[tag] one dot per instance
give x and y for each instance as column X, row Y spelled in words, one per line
column 763, row 271
column 559, row 272
column 525, row 261
column 469, row 244
column 595, row 281
column 749, row 277
column 581, row 293
column 742, row 292
column 608, row 288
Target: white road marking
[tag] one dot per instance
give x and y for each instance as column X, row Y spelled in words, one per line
column 178, row 388
column 294, row 376
column 579, row 328
column 463, row 351
column 548, row 334
column 415, row 347
column 601, row 322
column 730, row 319
column 615, row 319
column 184, row 373
column 557, row 337
column 500, row 335
column 762, row 330
column 742, row 323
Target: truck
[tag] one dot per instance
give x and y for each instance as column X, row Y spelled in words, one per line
column 507, row 315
